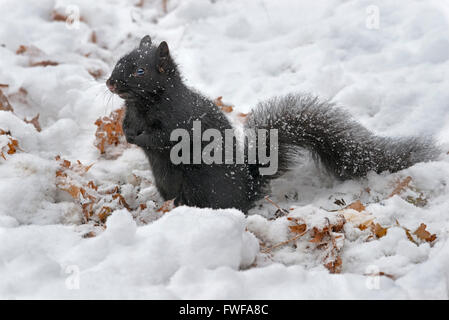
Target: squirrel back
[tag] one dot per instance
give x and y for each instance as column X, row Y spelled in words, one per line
column 158, row 103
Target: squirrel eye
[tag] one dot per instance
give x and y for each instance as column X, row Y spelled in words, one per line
column 140, row 72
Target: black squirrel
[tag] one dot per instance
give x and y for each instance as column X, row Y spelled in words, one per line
column 158, row 102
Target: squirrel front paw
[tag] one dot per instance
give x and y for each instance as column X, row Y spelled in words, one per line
column 131, row 134
column 150, row 140
column 143, row 139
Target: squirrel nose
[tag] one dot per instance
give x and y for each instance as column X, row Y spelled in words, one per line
column 111, row 85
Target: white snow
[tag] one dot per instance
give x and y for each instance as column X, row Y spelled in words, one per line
column 393, row 79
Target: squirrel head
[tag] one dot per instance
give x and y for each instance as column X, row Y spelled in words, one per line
column 145, row 71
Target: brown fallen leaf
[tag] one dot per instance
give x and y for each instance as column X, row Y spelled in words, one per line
column 11, row 146
column 93, row 37
column 110, row 134
column 298, row 229
column 121, row 200
column 299, row 225
column 380, row 274
column 4, row 103
column 44, row 63
column 89, row 234
column 378, row 230
column 58, row 16
column 400, row 186
column 423, row 234
column 92, row 185
column 407, row 233
column 35, row 122
column 105, row 212
column 74, row 191
column 362, row 227
column 30, row 51
column 167, row 206
column 96, row 74
column 224, row 107
column 20, row 96
column 335, row 265
column 318, row 235
column 21, row 49
column 83, row 168
column 357, row 206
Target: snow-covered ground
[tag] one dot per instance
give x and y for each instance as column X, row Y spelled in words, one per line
column 386, row 62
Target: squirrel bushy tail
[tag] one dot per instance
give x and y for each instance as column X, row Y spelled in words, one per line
column 345, row 147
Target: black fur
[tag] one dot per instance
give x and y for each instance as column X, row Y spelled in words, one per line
column 157, row 102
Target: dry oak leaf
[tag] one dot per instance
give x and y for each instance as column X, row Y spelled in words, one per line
column 378, row 230
column 377, row 274
column 93, row 37
column 407, row 233
column 92, row 185
column 167, row 206
column 35, row 122
column 360, row 218
column 31, row 51
column 224, row 107
column 4, row 103
column 423, row 234
column 121, row 200
column 357, row 206
column 299, row 226
column 58, row 16
column 401, row 185
column 82, row 167
column 74, row 191
column 96, row 74
column 109, row 130
column 364, row 220
column 34, row 52
column 89, row 234
column 335, row 265
column 11, row 146
column 44, row 63
column 68, row 185
column 105, row 212
column 318, row 234
column 19, row 96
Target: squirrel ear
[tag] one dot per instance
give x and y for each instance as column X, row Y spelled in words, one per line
column 163, row 54
column 145, row 42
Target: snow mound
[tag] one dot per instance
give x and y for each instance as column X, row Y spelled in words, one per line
column 123, row 254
